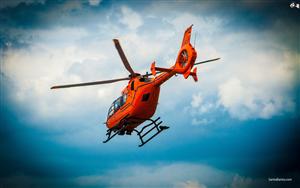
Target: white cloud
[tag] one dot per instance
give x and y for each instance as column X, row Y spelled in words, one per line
column 207, row 25
column 142, row 49
column 203, row 121
column 255, row 78
column 199, row 106
column 64, row 55
column 261, row 87
column 200, row 110
column 241, row 182
column 94, row 2
column 175, row 175
column 190, row 184
column 58, row 35
column 49, row 61
column 196, row 101
column 185, row 175
column 130, row 18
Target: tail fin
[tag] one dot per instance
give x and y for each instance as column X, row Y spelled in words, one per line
column 186, row 56
column 185, row 59
column 187, row 36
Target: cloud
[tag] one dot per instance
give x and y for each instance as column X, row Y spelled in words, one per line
column 201, row 110
column 175, row 175
column 13, row 3
column 190, row 184
column 130, row 18
column 63, row 54
column 241, row 182
column 183, row 175
column 202, row 121
column 57, row 58
column 196, row 101
column 208, row 25
column 94, row 2
column 261, row 87
column 258, row 82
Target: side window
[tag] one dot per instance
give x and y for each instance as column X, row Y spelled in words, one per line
column 146, row 97
column 145, row 79
column 123, row 99
column 132, row 85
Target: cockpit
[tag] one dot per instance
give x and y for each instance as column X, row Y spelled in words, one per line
column 116, row 105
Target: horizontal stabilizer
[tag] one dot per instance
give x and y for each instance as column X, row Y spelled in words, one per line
column 163, row 69
column 194, row 74
column 155, row 69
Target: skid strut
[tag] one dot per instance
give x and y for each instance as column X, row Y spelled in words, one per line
column 154, row 125
column 159, row 128
column 110, row 136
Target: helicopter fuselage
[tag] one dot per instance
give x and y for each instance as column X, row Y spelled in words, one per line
column 141, row 98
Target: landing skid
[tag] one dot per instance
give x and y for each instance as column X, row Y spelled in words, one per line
column 154, row 125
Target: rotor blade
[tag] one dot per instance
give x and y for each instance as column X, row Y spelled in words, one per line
column 123, row 57
column 206, row 61
column 90, row 83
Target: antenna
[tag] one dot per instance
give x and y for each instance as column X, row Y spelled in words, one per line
column 195, row 39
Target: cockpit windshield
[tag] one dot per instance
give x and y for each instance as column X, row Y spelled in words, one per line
column 117, row 104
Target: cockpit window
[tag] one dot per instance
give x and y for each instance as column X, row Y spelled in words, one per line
column 117, row 104
column 111, row 111
column 145, row 79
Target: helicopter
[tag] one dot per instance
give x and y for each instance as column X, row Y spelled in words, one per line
column 139, row 99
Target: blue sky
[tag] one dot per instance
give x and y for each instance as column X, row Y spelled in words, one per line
column 236, row 127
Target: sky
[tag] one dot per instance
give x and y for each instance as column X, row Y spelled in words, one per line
column 237, row 126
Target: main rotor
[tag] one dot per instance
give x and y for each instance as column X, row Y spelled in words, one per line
column 132, row 74
column 125, row 63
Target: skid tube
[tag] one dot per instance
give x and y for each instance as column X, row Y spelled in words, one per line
column 159, row 128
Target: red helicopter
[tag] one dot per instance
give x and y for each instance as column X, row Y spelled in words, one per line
column 139, row 98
